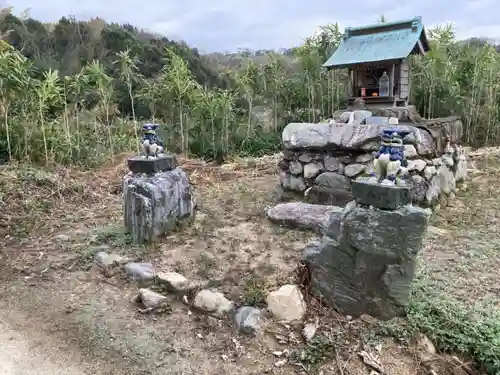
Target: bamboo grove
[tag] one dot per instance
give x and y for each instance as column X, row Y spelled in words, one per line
column 50, row 117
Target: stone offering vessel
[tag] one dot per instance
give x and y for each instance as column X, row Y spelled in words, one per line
column 152, row 144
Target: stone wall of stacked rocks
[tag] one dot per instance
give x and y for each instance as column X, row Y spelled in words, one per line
column 320, row 160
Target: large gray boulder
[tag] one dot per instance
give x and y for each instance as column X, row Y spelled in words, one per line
column 307, row 135
column 366, row 262
column 344, row 136
column 155, row 204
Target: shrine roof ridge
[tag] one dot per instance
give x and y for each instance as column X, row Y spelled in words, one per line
column 379, row 42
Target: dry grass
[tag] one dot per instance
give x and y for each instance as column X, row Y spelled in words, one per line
column 231, row 246
column 462, row 254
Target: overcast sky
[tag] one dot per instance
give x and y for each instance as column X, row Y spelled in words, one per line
column 226, row 25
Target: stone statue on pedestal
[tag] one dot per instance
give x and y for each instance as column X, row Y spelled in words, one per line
column 157, row 194
column 152, row 144
column 389, row 163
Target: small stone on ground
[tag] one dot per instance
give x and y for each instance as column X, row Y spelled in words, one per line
column 104, row 259
column 140, row 271
column 150, row 300
column 287, row 303
column 248, row 319
column 213, row 302
column 174, row 281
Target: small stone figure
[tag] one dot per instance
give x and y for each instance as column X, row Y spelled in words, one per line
column 152, row 144
column 389, row 162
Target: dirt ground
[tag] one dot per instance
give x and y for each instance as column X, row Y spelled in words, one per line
column 52, row 224
column 31, row 353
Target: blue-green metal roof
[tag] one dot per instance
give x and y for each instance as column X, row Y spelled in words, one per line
column 383, row 41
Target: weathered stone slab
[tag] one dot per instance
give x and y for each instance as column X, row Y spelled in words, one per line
column 304, row 135
column 385, row 197
column 392, row 234
column 328, row 196
column 354, row 136
column 301, row 215
column 139, row 164
column 155, row 204
column 337, row 135
column 369, row 266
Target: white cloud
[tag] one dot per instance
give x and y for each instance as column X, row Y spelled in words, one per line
column 489, row 31
column 230, row 24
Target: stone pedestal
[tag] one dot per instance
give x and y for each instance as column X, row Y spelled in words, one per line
column 141, row 164
column 366, row 261
column 155, row 203
column 385, row 197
